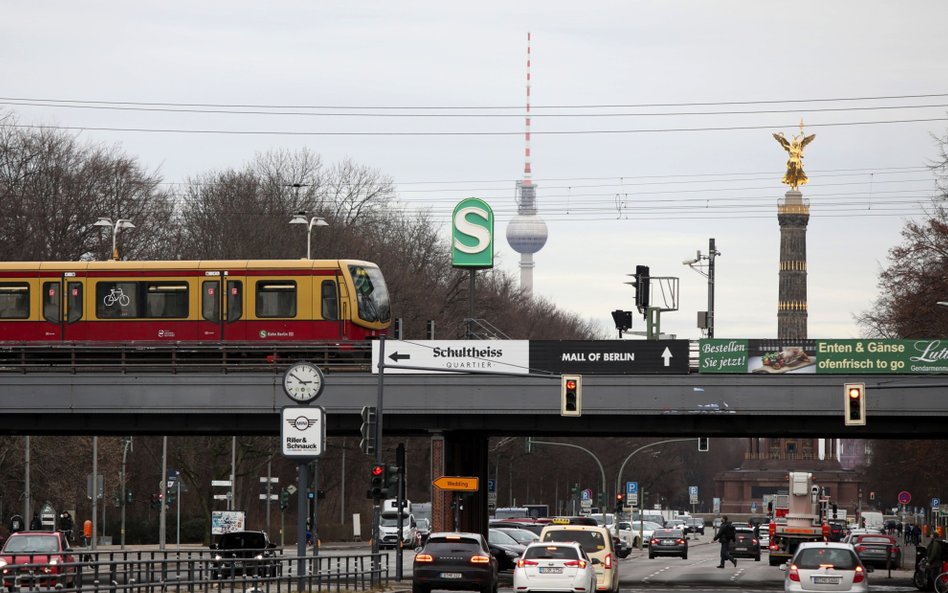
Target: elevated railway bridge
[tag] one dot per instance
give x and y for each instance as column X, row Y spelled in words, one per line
column 641, row 388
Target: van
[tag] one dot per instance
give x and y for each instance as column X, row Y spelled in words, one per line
column 872, row 520
column 597, row 542
column 388, row 525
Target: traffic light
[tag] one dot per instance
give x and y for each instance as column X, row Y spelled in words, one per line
column 619, row 500
column 391, row 481
column 369, row 418
column 702, row 444
column 377, row 483
column 854, row 404
column 284, row 500
column 574, row 491
column 571, row 403
column 128, row 497
column 641, row 289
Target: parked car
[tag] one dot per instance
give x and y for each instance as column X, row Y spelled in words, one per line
column 599, row 545
column 668, row 542
column 457, row 561
column 561, row 566
column 504, row 548
column 825, row 566
column 37, row 559
column 241, row 553
column 877, row 549
column 745, row 544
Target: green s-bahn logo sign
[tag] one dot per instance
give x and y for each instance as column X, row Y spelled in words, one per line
column 472, row 234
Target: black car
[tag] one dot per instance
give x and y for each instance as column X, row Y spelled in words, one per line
column 534, row 526
column 837, row 530
column 745, row 544
column 458, row 561
column 244, row 553
column 668, row 542
column 504, row 548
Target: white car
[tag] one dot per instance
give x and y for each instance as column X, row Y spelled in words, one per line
column 825, row 566
column 637, row 533
column 555, row 566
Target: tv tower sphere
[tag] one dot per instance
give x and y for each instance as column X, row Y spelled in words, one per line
column 526, row 233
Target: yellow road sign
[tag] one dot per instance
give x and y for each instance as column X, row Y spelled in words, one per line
column 456, row 483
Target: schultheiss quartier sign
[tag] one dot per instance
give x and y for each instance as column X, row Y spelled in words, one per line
column 882, row 357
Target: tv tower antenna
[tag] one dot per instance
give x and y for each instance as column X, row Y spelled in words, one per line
column 527, row 232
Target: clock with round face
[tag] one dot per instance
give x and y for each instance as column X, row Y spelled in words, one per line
column 303, row 382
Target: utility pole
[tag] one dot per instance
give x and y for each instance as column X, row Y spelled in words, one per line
column 706, row 318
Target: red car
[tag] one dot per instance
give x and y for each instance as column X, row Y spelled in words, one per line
column 31, row 559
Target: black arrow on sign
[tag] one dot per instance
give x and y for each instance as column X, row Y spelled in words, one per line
column 396, row 356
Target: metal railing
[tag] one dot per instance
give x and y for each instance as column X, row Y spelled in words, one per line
column 197, row 571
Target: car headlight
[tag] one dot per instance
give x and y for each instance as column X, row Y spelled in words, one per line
column 218, row 557
column 258, row 557
column 3, row 563
column 54, row 561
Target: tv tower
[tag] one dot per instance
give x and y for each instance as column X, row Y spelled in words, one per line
column 526, row 233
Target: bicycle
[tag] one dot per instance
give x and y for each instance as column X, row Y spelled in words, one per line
column 116, row 295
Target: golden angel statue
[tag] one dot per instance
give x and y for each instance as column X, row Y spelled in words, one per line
column 794, row 177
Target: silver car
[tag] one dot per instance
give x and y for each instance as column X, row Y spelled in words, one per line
column 825, row 566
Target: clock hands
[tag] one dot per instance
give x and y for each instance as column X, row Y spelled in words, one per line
column 300, row 380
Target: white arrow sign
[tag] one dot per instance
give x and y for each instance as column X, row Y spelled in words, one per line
column 667, row 356
column 435, row 356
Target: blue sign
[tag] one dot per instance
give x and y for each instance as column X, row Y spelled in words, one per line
column 936, row 502
column 692, row 491
column 587, row 494
column 631, row 487
column 492, row 485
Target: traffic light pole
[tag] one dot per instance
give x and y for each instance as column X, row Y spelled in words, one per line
column 302, row 473
column 377, row 510
column 593, row 455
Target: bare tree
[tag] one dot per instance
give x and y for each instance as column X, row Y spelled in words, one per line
column 52, row 190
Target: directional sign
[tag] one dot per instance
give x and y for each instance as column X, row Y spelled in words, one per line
column 437, row 356
column 456, row 483
column 611, row 357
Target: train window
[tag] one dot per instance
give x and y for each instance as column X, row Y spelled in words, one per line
column 52, row 302
column 14, row 300
column 73, row 302
column 330, row 303
column 166, row 299
column 235, row 300
column 276, row 299
column 116, row 300
column 371, row 293
column 211, row 300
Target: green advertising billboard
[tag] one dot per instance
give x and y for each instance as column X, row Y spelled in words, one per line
column 472, row 234
column 840, row 357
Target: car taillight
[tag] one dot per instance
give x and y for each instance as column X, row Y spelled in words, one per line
column 680, row 542
column 423, row 558
column 859, row 576
column 608, row 563
column 575, row 563
column 754, row 542
column 480, row 559
column 793, row 573
column 860, row 548
column 521, row 563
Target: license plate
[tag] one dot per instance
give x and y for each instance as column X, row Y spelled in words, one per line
column 668, row 542
column 551, row 570
column 450, row 575
column 826, row 580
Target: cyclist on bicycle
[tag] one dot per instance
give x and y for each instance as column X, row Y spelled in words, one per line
column 935, row 556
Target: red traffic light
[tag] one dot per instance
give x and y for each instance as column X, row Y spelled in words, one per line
column 571, row 384
column 378, row 470
column 854, row 392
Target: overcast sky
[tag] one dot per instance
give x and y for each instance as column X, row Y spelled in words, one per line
column 639, row 151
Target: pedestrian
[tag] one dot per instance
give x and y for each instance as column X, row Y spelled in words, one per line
column 35, row 524
column 725, row 535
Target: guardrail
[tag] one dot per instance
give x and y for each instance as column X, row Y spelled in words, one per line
column 197, row 571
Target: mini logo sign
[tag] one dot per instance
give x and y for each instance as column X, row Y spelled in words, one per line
column 472, row 234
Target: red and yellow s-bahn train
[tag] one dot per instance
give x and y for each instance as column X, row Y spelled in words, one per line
column 192, row 301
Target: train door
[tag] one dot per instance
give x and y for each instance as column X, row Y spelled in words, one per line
column 73, row 309
column 222, row 310
column 53, row 322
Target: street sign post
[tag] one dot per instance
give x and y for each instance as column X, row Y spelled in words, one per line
column 632, row 494
column 456, row 483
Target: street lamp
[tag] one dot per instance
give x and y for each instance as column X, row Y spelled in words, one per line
column 122, row 223
column 300, row 218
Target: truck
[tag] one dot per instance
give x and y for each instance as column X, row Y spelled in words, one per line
column 388, row 525
column 796, row 518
